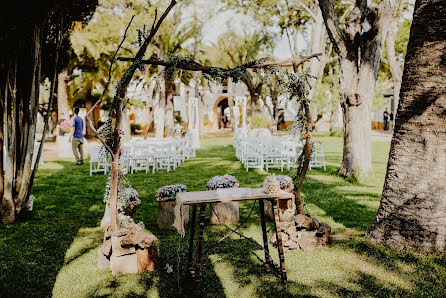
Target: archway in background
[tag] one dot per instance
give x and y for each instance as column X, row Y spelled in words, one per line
column 219, row 112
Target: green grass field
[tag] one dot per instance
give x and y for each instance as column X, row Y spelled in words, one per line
column 52, row 251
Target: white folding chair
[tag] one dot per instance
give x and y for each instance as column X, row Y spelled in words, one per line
column 252, row 157
column 272, row 156
column 97, row 165
column 317, row 156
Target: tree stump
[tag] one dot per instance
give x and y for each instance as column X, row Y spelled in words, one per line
column 128, row 250
column 166, row 214
column 224, row 213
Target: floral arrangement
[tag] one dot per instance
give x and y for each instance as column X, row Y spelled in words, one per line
column 226, row 181
column 65, row 126
column 169, row 191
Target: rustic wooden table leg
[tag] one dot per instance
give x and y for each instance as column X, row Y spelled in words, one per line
column 190, row 252
column 268, row 261
column 278, row 228
column 199, row 249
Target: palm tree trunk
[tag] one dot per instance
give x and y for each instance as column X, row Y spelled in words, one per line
column 63, row 109
column 412, row 213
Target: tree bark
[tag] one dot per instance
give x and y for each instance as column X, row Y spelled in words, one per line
column 160, row 108
column 359, row 54
column 412, row 212
column 231, row 103
column 169, row 122
column 394, row 66
column 317, row 45
column 21, row 94
column 63, row 108
column 89, row 102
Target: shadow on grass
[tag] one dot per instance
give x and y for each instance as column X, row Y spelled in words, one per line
column 33, row 249
column 59, row 241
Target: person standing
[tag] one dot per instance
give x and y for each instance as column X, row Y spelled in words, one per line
column 77, row 137
column 386, row 119
column 391, row 121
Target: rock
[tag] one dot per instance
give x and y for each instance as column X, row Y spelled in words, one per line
column 323, row 232
column 304, row 232
column 306, row 222
column 128, row 250
column 308, row 241
column 147, row 258
column 286, row 209
column 124, row 264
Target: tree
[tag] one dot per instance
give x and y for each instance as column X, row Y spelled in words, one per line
column 358, row 47
column 93, row 46
column 240, row 49
column 171, row 38
column 29, row 36
column 412, row 212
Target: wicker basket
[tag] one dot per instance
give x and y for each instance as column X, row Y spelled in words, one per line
column 271, row 184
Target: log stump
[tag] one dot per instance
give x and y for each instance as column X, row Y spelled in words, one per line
column 224, row 213
column 166, row 214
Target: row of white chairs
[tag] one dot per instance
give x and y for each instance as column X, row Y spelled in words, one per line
column 274, row 152
column 147, row 155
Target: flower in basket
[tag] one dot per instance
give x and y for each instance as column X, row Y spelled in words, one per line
column 65, row 126
column 226, row 181
column 170, row 191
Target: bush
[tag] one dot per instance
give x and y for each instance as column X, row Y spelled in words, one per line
column 135, row 127
column 259, row 121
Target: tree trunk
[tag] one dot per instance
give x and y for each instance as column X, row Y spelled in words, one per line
column 359, row 54
column 334, row 118
column 412, row 213
column 394, row 66
column 231, row 102
column 356, row 103
column 63, row 108
column 159, row 109
column 150, row 105
column 89, row 102
column 20, row 77
column 169, row 122
column 317, row 45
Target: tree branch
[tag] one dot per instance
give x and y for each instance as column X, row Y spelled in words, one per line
column 337, row 35
column 110, row 69
column 207, row 69
column 310, row 12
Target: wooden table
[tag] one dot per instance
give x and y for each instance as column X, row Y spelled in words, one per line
column 202, row 198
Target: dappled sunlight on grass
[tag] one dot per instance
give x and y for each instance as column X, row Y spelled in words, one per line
column 54, row 249
column 81, row 277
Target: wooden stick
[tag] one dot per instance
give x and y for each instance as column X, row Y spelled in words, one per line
column 121, row 90
column 207, row 69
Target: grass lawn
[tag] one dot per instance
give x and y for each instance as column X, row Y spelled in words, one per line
column 52, row 251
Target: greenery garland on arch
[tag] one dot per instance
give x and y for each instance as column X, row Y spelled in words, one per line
column 296, row 86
